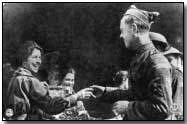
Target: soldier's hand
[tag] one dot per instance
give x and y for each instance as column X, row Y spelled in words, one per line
column 98, row 90
column 120, row 107
column 85, row 94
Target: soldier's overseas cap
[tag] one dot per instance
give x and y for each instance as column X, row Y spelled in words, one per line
column 144, row 16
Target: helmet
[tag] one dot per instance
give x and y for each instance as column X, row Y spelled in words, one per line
column 159, row 41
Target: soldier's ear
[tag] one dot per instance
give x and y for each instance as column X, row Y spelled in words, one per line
column 135, row 28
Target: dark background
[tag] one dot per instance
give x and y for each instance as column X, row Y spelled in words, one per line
column 86, row 34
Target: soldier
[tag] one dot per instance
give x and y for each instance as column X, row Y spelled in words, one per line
column 26, row 93
column 159, row 41
column 177, row 76
column 150, row 95
column 173, row 55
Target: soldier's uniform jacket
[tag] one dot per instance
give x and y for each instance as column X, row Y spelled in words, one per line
column 26, row 93
column 150, row 93
column 177, row 91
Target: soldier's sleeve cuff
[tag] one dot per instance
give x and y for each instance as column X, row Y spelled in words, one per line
column 127, row 112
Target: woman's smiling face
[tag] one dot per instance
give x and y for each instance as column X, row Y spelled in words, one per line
column 34, row 60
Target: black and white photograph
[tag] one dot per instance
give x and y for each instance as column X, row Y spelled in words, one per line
column 93, row 61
